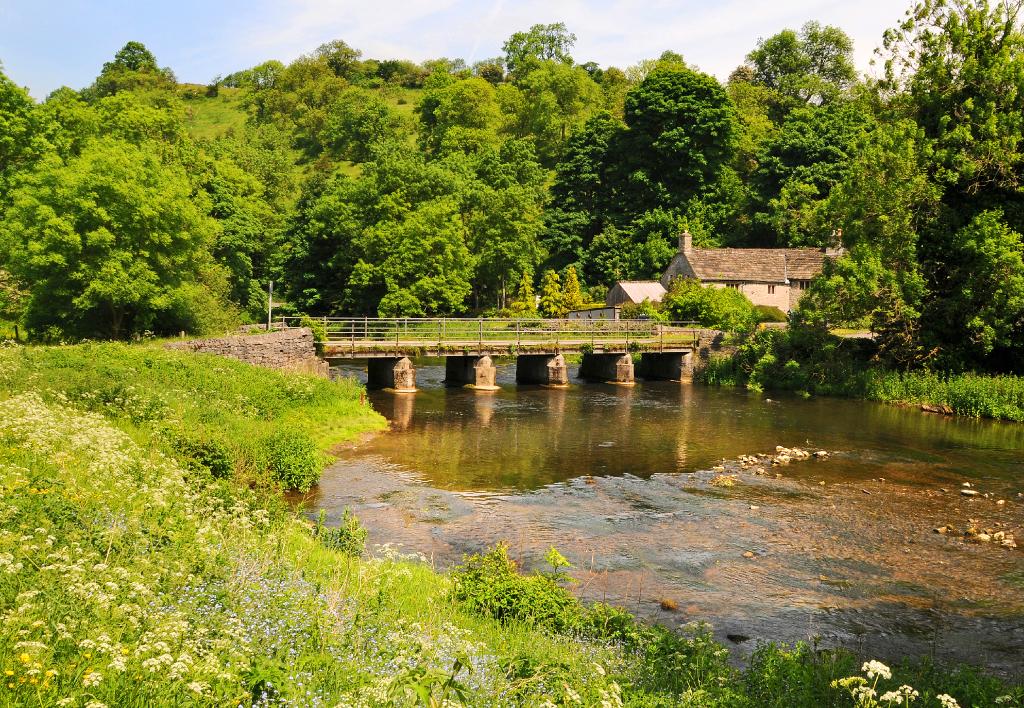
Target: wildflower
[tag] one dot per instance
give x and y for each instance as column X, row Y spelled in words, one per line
column 24, row 658
column 876, row 668
column 91, row 678
column 947, row 701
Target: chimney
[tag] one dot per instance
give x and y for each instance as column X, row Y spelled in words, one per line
column 685, row 241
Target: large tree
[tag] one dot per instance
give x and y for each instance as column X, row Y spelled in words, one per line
column 814, row 65
column 106, row 242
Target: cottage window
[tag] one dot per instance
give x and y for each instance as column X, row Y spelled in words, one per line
column 771, row 289
column 804, row 284
column 734, row 286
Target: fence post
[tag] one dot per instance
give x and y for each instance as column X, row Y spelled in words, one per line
column 518, row 338
column 440, row 333
column 481, row 333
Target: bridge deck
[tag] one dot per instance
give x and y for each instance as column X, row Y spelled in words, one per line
column 371, row 337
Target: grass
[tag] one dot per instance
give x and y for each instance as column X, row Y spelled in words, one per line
column 770, row 360
column 131, row 577
column 210, row 117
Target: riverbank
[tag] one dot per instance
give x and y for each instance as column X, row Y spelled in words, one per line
column 828, row 365
column 148, row 559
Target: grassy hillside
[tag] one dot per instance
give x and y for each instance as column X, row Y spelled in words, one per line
column 212, row 116
column 146, row 559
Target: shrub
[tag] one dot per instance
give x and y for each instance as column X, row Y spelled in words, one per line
column 718, row 308
column 292, row 457
column 203, row 452
column 318, row 328
column 767, row 313
column 349, row 537
column 490, row 585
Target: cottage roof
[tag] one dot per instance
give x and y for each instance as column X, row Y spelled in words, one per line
column 640, row 290
column 764, row 265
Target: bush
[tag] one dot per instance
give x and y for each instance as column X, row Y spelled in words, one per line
column 203, row 452
column 719, row 308
column 293, row 459
column 318, row 328
column 767, row 313
column 349, row 537
column 490, row 585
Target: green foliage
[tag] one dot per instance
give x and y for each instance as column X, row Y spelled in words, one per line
column 348, row 537
column 523, row 50
column 523, row 302
column 203, row 451
column 104, row 241
column 292, row 458
column 316, row 326
column 812, row 66
column 767, row 313
column 552, row 304
column 710, row 306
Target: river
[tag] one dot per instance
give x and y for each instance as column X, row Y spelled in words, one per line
column 619, row 479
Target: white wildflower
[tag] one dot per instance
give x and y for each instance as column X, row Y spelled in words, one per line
column 947, row 701
column 876, row 668
column 92, row 678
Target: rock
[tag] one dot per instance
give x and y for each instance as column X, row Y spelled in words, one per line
column 821, row 454
column 999, row 536
column 966, row 484
column 942, row 529
column 968, row 492
column 983, row 538
column 1001, row 502
column 865, row 491
column 821, row 483
column 749, row 554
column 718, row 468
column 754, row 507
column 737, row 638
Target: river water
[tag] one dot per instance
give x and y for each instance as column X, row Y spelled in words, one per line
column 620, row 481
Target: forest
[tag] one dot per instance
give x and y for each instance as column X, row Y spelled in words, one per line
column 366, row 186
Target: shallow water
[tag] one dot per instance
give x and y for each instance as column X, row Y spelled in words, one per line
column 619, row 480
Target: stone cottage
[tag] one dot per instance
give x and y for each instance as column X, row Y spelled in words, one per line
column 776, row 277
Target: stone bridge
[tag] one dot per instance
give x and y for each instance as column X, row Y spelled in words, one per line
column 667, row 350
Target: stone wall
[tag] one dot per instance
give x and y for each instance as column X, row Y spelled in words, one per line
column 289, row 350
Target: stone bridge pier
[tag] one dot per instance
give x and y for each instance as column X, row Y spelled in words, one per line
column 610, row 368
column 675, row 366
column 395, row 373
column 477, row 372
column 543, row 369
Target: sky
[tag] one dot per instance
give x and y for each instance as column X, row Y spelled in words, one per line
column 45, row 44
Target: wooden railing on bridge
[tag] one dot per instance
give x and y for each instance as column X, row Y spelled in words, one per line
column 489, row 333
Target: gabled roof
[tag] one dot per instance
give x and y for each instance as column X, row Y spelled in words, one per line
column 763, row 265
column 640, row 290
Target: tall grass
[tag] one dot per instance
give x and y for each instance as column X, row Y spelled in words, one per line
column 798, row 361
column 972, row 395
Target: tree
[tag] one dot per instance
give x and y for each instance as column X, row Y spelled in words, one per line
column 459, row 116
column 556, row 98
column 540, row 43
column 20, row 143
column 107, row 242
column 524, row 302
column 882, row 207
column 356, row 122
column 682, row 133
column 572, row 293
column 978, row 308
column 134, row 68
column 342, row 59
column 812, row 66
column 962, row 65
column 551, row 303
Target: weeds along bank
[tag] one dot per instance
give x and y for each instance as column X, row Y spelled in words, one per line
column 827, row 365
column 146, row 559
